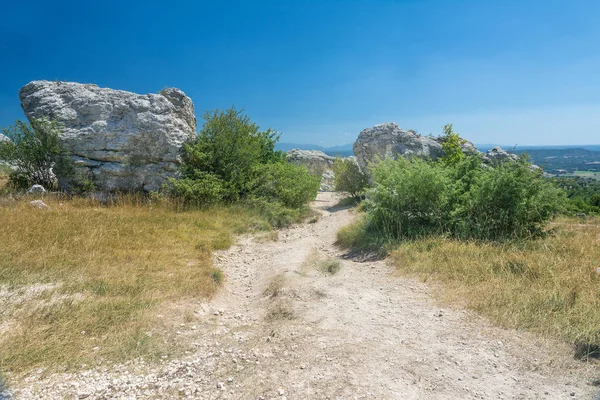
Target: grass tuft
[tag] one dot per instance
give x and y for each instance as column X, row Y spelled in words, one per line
column 280, row 311
column 330, row 266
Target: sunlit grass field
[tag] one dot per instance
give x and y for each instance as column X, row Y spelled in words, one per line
column 80, row 283
column 550, row 286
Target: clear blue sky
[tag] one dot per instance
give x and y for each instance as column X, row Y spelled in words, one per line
column 510, row 72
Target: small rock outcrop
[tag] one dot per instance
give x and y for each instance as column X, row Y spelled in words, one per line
column 119, row 140
column 3, row 138
column 36, row 189
column 316, row 162
column 39, row 204
column 497, row 155
column 387, row 140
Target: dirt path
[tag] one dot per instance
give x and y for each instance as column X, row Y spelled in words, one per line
column 282, row 328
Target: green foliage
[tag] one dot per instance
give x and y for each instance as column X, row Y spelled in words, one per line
column 509, row 201
column 413, row 198
column 409, row 199
column 451, row 142
column 229, row 148
column 34, row 150
column 583, row 194
column 291, row 185
column 349, row 178
column 232, row 161
column 204, row 190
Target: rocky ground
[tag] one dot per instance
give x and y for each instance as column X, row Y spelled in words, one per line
column 281, row 328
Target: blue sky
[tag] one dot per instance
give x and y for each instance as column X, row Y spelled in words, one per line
column 510, row 72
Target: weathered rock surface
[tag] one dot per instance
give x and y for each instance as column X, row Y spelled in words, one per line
column 498, row 154
column 39, row 204
column 387, row 140
column 2, row 137
column 120, row 140
column 35, row 189
column 468, row 148
column 316, row 162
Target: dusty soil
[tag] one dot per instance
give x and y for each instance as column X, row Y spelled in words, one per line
column 283, row 328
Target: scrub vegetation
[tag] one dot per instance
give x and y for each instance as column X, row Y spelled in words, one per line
column 81, row 281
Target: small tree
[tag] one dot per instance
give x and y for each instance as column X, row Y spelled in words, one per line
column 228, row 148
column 451, row 144
column 33, row 150
column 349, row 178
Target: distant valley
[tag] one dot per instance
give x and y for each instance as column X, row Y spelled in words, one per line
column 578, row 160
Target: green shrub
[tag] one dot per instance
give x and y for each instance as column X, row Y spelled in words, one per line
column 229, row 148
column 291, row 185
column 468, row 200
column 509, row 201
column 349, row 178
column 232, row 161
column 33, row 150
column 205, row 189
column 409, row 198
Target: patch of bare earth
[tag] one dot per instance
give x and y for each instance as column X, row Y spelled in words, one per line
column 281, row 327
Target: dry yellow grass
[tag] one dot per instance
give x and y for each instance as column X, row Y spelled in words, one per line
column 79, row 283
column 549, row 286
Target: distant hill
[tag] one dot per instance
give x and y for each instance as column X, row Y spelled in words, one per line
column 486, row 147
column 340, row 151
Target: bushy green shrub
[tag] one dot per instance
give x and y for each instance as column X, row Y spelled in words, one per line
column 204, row 190
column 231, row 160
column 33, row 150
column 349, row 178
column 468, row 200
column 409, row 199
column 286, row 183
column 229, row 148
column 509, row 201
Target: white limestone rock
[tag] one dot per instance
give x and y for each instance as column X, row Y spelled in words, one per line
column 317, row 163
column 120, row 140
column 36, row 189
column 387, row 140
column 498, row 154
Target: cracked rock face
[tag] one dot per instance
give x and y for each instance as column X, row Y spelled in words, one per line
column 121, row 141
column 387, row 140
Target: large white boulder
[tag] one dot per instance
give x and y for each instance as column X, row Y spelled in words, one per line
column 122, row 141
column 388, row 140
